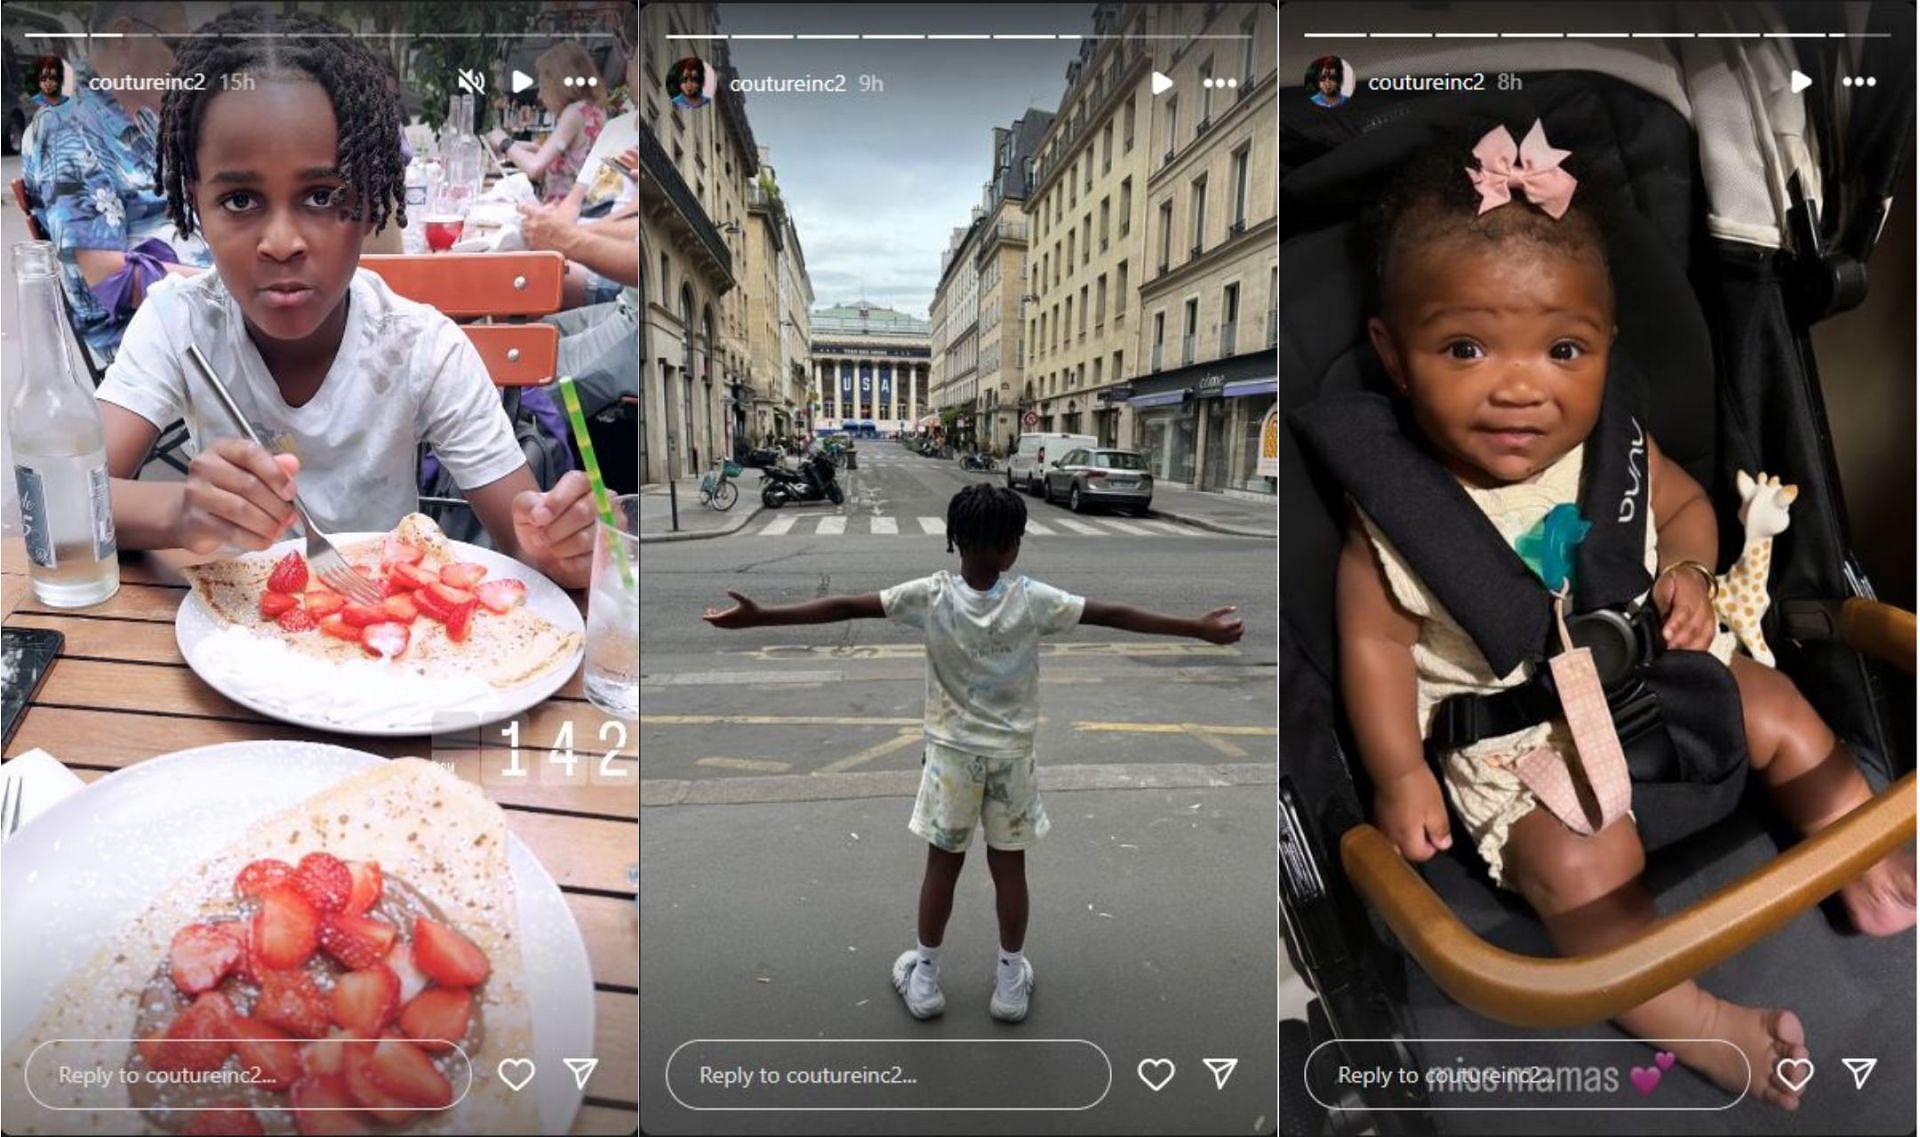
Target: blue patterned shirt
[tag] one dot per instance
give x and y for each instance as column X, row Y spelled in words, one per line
column 90, row 167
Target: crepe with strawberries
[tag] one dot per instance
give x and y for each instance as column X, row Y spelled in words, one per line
column 356, row 953
column 443, row 615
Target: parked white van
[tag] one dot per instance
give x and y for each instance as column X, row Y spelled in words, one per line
column 1027, row 468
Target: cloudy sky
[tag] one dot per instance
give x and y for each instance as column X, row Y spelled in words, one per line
column 877, row 181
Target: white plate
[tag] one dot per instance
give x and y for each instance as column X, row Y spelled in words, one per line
column 195, row 622
column 84, row 869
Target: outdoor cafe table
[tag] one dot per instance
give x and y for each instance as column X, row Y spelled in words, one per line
column 121, row 693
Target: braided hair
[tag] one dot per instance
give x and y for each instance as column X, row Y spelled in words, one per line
column 367, row 117
column 985, row 516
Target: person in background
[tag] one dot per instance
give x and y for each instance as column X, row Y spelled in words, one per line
column 602, row 190
column 599, row 343
column 51, row 74
column 89, row 168
column 580, row 114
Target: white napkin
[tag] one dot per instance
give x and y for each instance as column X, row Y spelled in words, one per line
column 43, row 779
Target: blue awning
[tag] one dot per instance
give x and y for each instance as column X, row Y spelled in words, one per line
column 1169, row 398
column 1253, row 387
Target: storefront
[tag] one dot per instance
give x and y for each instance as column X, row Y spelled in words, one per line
column 1201, row 426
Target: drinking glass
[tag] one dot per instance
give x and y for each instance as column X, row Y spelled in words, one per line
column 612, row 679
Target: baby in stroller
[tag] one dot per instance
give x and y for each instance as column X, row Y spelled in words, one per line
column 1494, row 321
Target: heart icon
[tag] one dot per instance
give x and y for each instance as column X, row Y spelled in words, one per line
column 1664, row 1060
column 1644, row 1078
column 509, row 1067
column 1162, row 1066
column 1800, row 1066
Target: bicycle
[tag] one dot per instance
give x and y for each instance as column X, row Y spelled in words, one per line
column 717, row 491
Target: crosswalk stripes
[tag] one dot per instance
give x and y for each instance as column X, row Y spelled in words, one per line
column 1035, row 527
column 885, row 526
column 1165, row 527
column 830, row 526
column 1056, row 528
column 933, row 526
column 1079, row 526
column 1126, row 528
column 778, row 526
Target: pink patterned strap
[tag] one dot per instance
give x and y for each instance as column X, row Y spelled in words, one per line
column 1603, row 791
column 1531, row 167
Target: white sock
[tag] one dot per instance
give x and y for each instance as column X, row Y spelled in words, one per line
column 928, row 970
column 1012, row 968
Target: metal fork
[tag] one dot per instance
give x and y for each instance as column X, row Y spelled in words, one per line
column 325, row 560
column 12, row 799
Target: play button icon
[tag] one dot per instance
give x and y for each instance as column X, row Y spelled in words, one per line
column 522, row 80
column 1798, row 81
column 1161, row 84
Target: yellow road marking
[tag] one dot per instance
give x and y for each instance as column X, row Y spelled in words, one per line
column 905, row 739
column 757, row 765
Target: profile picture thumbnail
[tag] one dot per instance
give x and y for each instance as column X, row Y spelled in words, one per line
column 690, row 83
column 1330, row 81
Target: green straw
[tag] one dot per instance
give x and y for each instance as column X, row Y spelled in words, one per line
column 600, row 500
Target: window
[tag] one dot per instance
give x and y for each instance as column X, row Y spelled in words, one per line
column 1192, row 326
column 1070, row 237
column 1159, row 328
column 1126, row 206
column 1206, row 96
column 1070, row 318
column 1106, row 148
column 1166, row 234
column 1088, row 175
column 1044, row 259
column 1173, row 123
column 1229, row 318
column 1100, row 302
column 1083, row 311
column 1199, row 214
column 1056, row 262
column 1240, row 189
column 1086, row 238
column 1273, row 307
column 1118, row 371
column 1120, row 293
column 1246, row 51
column 1126, row 127
column 1106, row 215
column 1096, row 371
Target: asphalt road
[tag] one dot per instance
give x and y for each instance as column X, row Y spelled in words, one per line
column 778, row 879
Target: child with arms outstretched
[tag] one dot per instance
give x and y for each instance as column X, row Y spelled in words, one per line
column 983, row 634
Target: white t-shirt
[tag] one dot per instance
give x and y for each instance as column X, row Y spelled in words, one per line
column 983, row 656
column 622, row 132
column 404, row 374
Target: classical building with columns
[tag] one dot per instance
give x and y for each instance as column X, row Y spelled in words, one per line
column 870, row 368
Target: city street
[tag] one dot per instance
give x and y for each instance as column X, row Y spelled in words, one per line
column 779, row 767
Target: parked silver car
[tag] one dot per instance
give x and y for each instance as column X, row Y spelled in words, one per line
column 1100, row 476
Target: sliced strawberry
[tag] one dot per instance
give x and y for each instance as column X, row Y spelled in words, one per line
column 297, row 620
column 201, row 955
column 292, row 1001
column 367, row 886
column 195, row 1041
column 340, row 629
column 502, row 595
column 360, row 615
column 403, row 1070
column 387, row 640
column 266, row 1049
column 367, row 571
column 322, row 1106
column 273, row 604
column 465, row 574
column 396, row 586
column 414, row 576
column 226, row 1118
column 398, row 552
column 383, row 1106
column 325, row 880
column 459, row 620
column 448, row 595
column 285, row 929
column 289, row 576
column 400, row 962
column 260, row 876
column 357, row 941
column 431, row 605
column 324, row 601
column 437, row 1013
column 447, row 957
column 365, row 1000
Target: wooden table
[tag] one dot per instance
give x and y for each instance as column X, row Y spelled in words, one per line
column 120, row 693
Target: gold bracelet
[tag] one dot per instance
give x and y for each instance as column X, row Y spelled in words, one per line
column 1706, row 574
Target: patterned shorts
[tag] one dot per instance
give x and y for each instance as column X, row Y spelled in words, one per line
column 960, row 791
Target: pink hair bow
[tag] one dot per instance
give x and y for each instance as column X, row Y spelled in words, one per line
column 1533, row 168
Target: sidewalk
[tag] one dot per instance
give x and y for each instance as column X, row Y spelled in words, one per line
column 1216, row 512
column 697, row 522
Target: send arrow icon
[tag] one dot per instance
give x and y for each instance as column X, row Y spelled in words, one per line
column 1222, row 1070
column 1861, row 1069
column 582, row 1070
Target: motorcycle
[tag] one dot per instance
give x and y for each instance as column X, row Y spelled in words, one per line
column 814, row 481
column 977, row 460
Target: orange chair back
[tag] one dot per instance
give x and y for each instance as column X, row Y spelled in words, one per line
column 488, row 286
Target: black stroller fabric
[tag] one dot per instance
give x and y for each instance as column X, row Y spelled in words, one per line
column 1729, row 387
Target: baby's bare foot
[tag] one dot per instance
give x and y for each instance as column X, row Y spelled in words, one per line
column 1880, row 902
column 1764, row 1036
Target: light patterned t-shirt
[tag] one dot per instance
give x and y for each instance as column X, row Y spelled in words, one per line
column 983, row 656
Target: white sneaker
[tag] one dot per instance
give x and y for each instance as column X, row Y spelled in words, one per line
column 1011, row 1005
column 920, row 1005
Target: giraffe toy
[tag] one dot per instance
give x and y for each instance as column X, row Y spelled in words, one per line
column 1742, row 598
